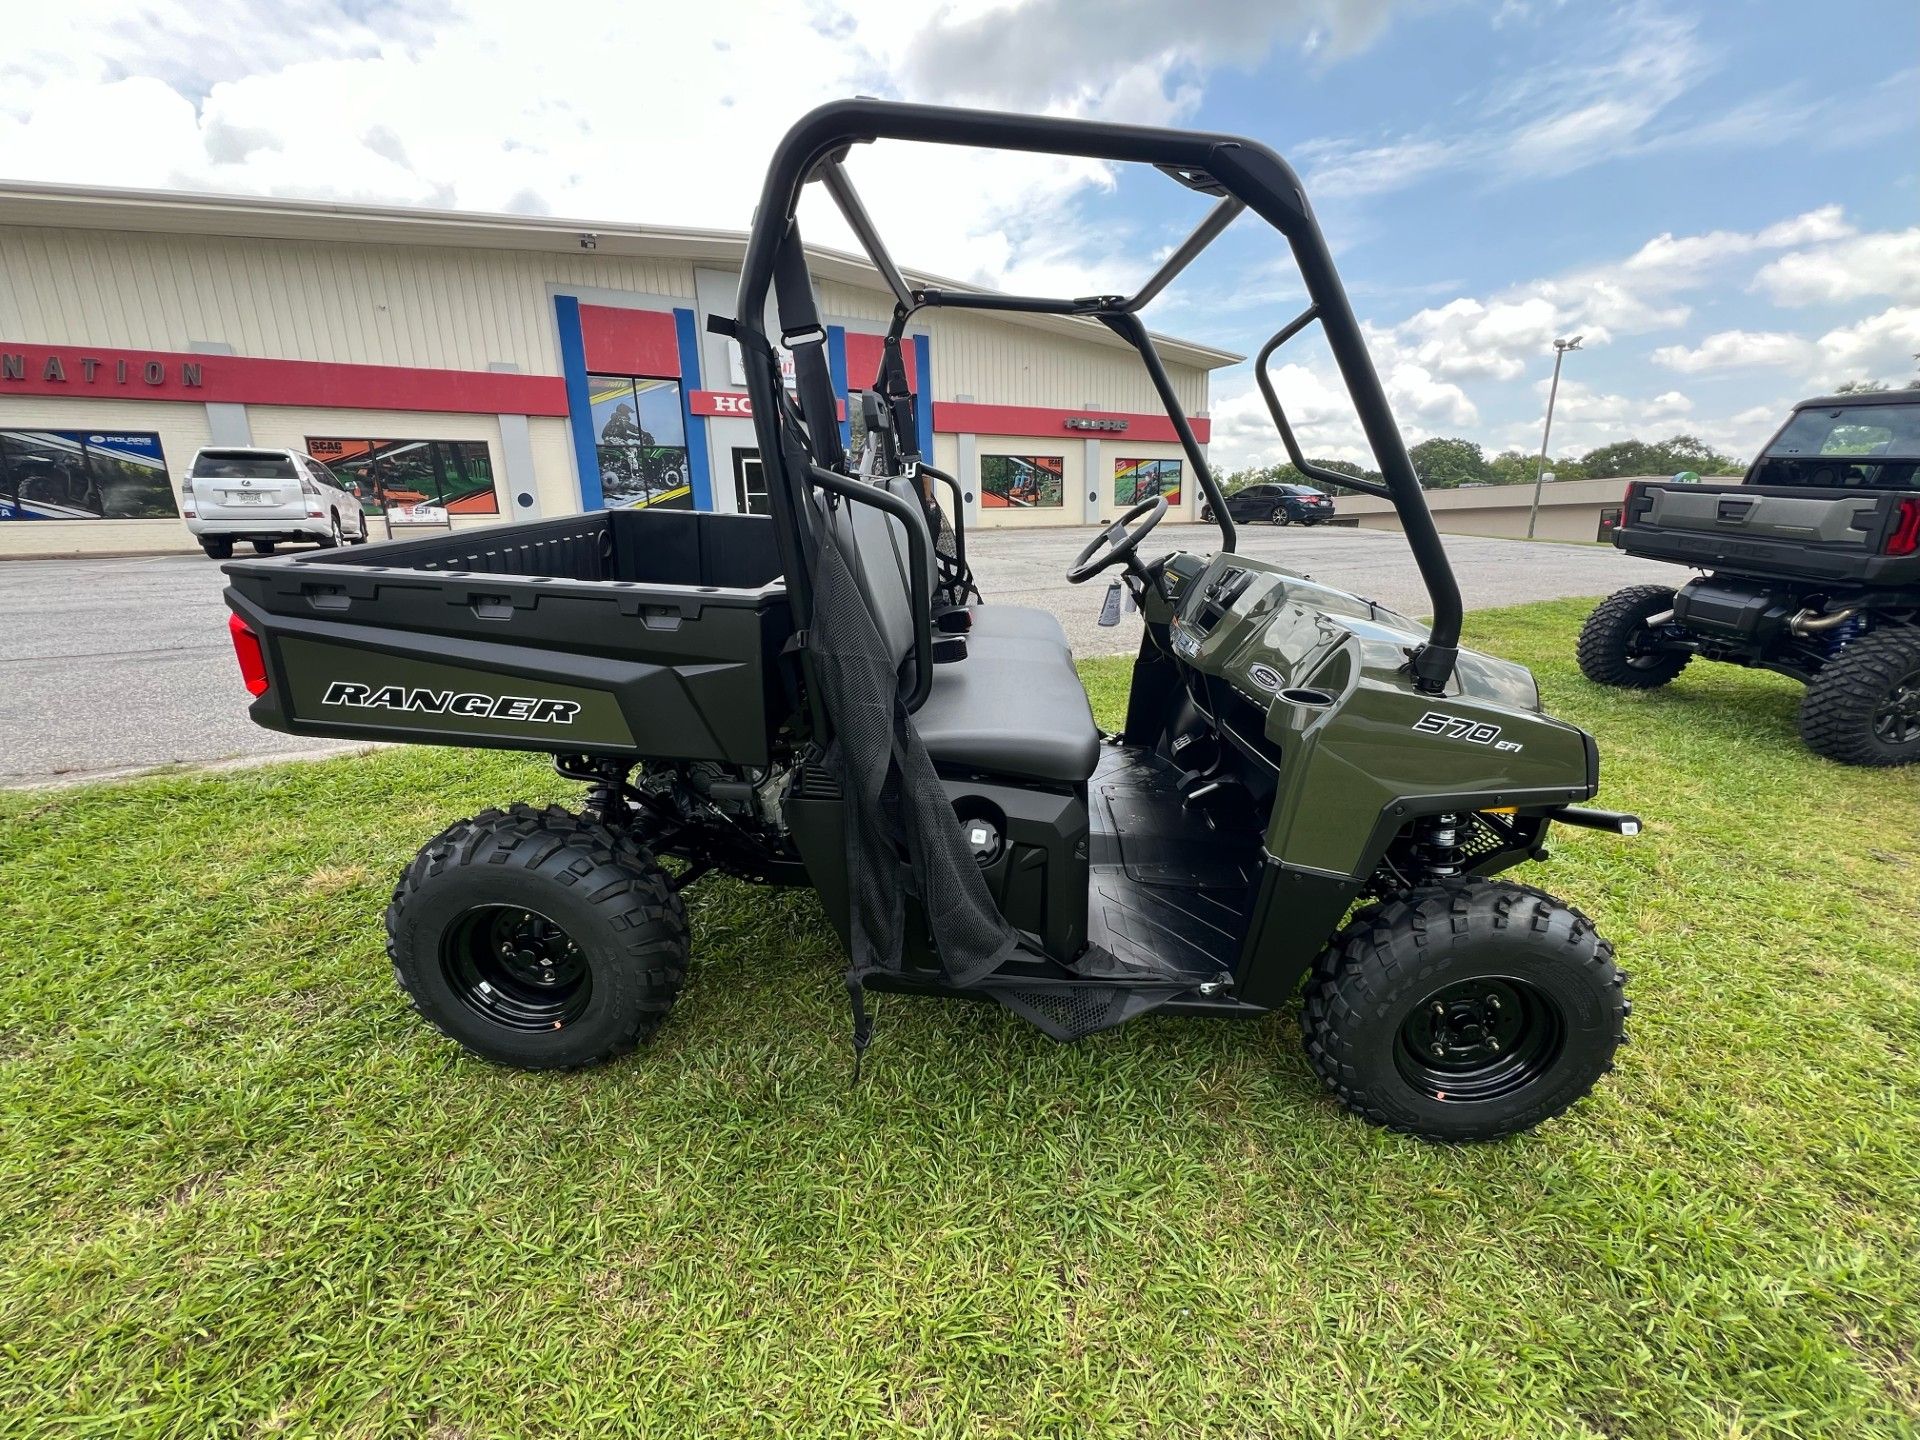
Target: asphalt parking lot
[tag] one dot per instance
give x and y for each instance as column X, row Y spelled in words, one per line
column 116, row 665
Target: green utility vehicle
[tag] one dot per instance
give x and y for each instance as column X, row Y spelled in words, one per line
column 1308, row 786
column 1813, row 568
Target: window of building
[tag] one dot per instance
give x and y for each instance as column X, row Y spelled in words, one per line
column 1137, row 480
column 84, row 475
column 1021, row 482
column 387, row 474
column 641, row 440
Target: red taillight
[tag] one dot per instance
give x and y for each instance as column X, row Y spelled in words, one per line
column 246, row 649
column 1626, row 505
column 1905, row 538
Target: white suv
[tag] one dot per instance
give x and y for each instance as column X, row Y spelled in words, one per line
column 240, row 493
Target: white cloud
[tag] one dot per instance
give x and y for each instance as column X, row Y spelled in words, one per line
column 1737, row 350
column 1503, row 336
column 662, row 113
column 1553, row 119
column 1123, row 59
column 1884, row 263
column 1881, row 347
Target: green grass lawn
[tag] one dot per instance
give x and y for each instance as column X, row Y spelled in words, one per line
column 243, row 1191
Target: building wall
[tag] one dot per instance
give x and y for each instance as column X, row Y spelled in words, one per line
column 367, row 304
column 453, row 309
column 1569, row 510
column 999, row 361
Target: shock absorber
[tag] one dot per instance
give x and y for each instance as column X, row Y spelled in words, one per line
column 1843, row 635
column 1437, row 844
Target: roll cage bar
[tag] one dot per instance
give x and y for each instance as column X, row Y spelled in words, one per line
column 1243, row 174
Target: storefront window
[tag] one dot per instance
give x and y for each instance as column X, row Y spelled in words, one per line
column 1137, row 480
column 386, row 474
column 1021, row 482
column 84, row 475
column 641, row 440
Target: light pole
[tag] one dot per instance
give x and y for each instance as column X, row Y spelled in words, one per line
column 1560, row 348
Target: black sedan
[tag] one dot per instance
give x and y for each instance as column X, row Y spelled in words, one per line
column 1278, row 504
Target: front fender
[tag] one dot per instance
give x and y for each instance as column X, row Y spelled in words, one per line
column 1354, row 771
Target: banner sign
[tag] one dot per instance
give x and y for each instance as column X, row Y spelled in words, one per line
column 83, row 475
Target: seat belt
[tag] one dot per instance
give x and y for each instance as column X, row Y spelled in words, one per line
column 900, row 398
column 803, row 334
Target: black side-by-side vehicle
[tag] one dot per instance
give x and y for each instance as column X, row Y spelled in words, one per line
column 1812, row 570
column 1307, row 788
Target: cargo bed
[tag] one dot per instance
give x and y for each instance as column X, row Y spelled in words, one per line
column 1855, row 536
column 615, row 632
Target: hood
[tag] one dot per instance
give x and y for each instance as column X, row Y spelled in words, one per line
column 1386, row 636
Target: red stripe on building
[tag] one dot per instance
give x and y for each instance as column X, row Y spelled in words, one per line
column 733, row 403
column 863, row 360
column 90, row 372
column 960, row 417
column 630, row 342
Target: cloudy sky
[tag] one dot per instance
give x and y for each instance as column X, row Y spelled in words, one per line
column 1722, row 196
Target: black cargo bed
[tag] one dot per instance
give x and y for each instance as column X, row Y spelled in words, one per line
column 1777, row 532
column 648, row 632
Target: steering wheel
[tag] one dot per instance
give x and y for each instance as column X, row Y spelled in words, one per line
column 1117, row 544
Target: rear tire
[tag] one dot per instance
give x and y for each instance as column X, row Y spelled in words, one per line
column 331, row 540
column 1280, row 516
column 1614, row 643
column 1863, row 707
column 1206, row 513
column 263, row 547
column 217, row 548
column 1466, row 1010
column 538, row 939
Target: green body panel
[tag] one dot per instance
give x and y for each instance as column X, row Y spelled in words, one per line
column 415, row 699
column 1365, row 749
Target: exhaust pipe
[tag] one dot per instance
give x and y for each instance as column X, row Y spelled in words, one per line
column 1654, row 622
column 1811, row 622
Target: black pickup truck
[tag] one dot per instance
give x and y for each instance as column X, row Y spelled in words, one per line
column 1811, row 567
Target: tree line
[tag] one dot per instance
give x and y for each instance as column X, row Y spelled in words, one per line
column 1447, row 463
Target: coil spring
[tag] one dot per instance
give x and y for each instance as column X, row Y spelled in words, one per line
column 1843, row 635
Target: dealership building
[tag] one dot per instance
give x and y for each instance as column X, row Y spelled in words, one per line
column 494, row 367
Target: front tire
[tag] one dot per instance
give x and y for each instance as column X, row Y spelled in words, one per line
column 1863, row 707
column 1466, row 1010
column 1617, row 646
column 1206, row 513
column 538, row 939
column 262, row 547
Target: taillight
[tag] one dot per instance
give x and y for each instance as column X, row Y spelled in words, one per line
column 246, row 649
column 1905, row 538
column 1626, row 505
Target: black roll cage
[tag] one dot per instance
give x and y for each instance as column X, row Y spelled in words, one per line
column 1243, row 174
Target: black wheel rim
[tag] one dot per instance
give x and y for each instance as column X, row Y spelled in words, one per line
column 517, row 968
column 1897, row 720
column 1643, row 647
column 1480, row 1039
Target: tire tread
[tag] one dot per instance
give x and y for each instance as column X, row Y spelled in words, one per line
column 657, row 914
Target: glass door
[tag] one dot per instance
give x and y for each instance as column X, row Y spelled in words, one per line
column 750, row 484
